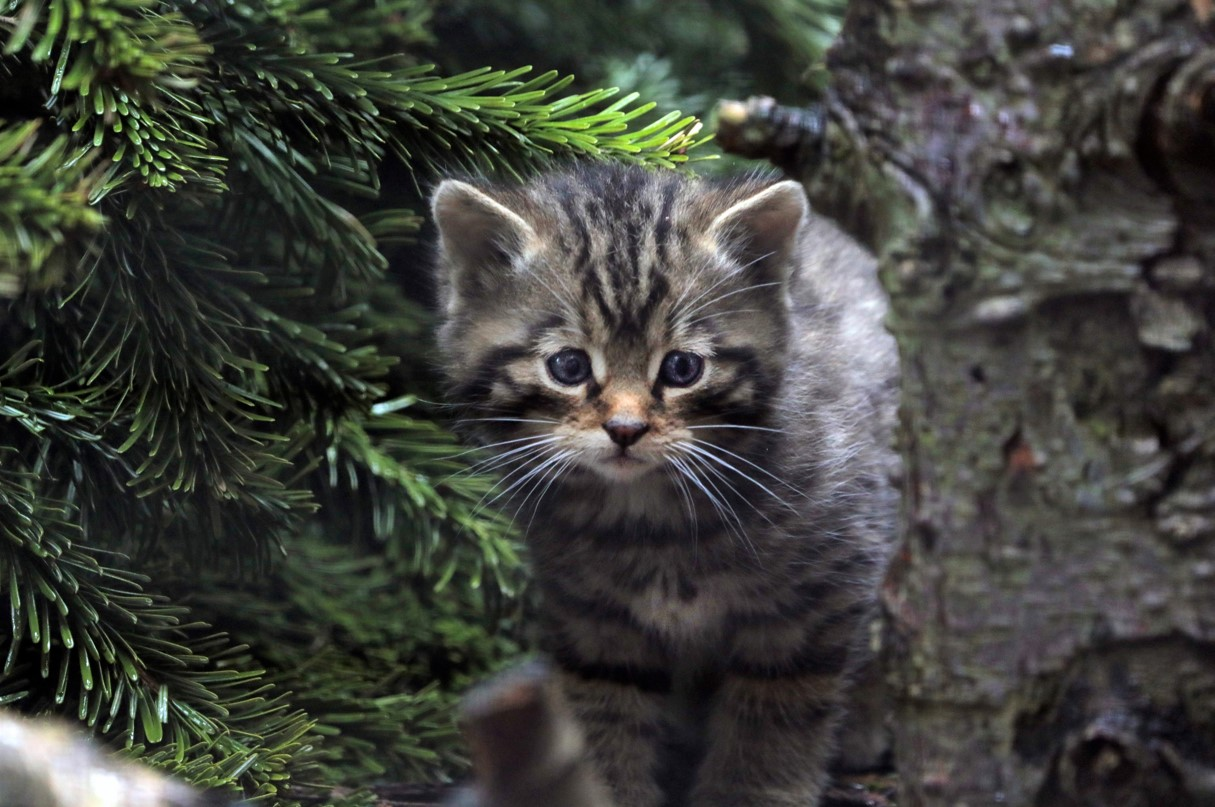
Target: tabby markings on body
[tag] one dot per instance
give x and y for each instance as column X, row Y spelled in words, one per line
column 688, row 392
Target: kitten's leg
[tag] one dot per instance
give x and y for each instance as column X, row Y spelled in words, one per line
column 770, row 742
column 615, row 679
column 623, row 726
column 773, row 722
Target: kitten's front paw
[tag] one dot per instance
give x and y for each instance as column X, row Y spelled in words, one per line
column 640, row 794
column 753, row 798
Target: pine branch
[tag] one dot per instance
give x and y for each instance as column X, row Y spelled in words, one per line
column 424, row 498
column 366, row 652
column 383, row 28
column 44, row 192
column 85, row 638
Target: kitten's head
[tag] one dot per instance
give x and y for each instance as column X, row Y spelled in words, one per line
column 616, row 321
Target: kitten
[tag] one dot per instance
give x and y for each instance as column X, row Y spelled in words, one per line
column 690, row 392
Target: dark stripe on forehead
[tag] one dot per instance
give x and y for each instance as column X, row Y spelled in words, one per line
column 620, row 234
column 617, row 262
column 662, row 226
column 659, row 289
column 634, row 235
column 596, row 291
column 583, row 237
column 582, row 268
column 639, row 283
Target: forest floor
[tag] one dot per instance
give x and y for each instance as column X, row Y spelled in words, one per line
column 867, row 790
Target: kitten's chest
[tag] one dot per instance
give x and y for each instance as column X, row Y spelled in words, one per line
column 682, row 608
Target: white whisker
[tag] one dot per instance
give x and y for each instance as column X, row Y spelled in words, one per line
column 734, row 489
column 722, row 314
column 508, row 420
column 759, row 468
column 678, row 306
column 688, row 464
column 557, row 471
column 498, row 459
column 721, row 297
column 680, row 312
column 477, row 449
column 728, row 466
column 521, row 466
column 734, row 426
column 719, row 500
column 531, row 474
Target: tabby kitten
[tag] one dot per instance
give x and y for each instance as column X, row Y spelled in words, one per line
column 689, row 392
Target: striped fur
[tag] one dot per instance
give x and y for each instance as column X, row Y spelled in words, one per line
column 705, row 586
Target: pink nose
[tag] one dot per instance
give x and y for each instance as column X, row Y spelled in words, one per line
column 625, row 431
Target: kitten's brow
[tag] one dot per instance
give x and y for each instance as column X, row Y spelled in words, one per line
column 727, row 312
column 724, row 278
column 721, row 297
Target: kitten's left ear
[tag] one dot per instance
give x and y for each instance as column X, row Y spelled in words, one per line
column 762, row 229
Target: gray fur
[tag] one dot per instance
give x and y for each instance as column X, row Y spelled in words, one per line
column 704, row 600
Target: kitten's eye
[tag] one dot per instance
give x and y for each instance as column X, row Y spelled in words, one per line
column 680, row 369
column 570, row 366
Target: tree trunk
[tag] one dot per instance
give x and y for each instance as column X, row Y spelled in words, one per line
column 1038, row 180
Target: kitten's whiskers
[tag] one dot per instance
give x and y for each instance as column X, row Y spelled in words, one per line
column 686, row 496
column 725, row 480
column 508, row 420
column 553, row 474
column 705, row 455
column 729, row 516
column 497, row 460
column 760, row 468
column 531, row 474
column 478, row 449
column 733, row 426
column 713, row 314
column 521, row 465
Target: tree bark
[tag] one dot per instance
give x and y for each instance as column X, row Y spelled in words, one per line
column 1038, row 180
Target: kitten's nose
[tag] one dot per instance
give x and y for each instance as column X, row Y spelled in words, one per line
column 625, row 431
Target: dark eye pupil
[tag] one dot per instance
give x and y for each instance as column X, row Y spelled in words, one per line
column 570, row 366
column 681, row 369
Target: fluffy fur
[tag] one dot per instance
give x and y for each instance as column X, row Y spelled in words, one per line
column 707, row 552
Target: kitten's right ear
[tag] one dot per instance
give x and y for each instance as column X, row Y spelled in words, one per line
column 478, row 236
column 763, row 226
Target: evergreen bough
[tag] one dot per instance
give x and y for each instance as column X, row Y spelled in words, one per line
column 233, row 540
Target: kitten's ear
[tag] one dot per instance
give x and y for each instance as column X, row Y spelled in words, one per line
column 762, row 229
column 478, row 237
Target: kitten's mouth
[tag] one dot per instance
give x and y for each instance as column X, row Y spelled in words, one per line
column 623, row 466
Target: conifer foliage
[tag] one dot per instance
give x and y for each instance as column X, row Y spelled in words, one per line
column 232, row 539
